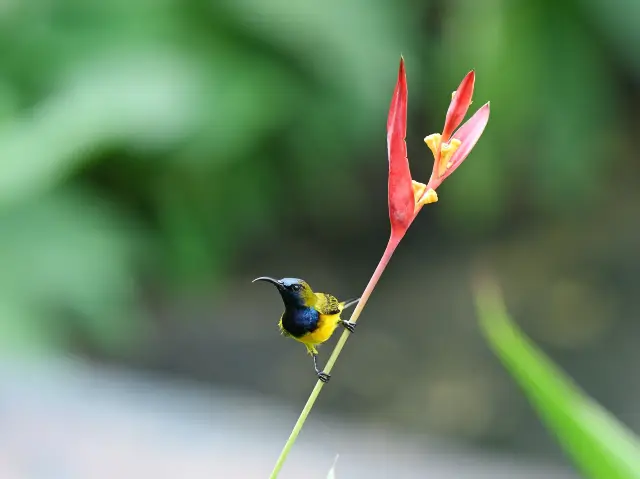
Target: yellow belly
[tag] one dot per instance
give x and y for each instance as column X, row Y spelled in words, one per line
column 326, row 326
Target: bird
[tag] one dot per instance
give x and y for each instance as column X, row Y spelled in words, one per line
column 309, row 317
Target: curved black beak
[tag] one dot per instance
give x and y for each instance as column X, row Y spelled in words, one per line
column 273, row 281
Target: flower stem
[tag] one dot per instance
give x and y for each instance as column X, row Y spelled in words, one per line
column 394, row 240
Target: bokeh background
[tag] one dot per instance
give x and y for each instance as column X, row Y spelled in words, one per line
column 157, row 155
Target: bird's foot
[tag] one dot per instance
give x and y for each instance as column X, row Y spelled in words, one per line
column 349, row 326
column 324, row 377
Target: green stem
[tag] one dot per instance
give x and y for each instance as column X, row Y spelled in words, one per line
column 388, row 252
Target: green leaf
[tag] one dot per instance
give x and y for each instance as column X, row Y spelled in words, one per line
column 600, row 446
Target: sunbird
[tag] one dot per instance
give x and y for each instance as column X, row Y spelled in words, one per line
column 309, row 317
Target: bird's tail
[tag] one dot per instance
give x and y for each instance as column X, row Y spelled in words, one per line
column 350, row 302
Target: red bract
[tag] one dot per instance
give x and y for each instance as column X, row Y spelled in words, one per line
column 460, row 101
column 450, row 149
column 401, row 197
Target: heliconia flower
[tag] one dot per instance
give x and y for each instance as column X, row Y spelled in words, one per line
column 401, row 192
column 451, row 147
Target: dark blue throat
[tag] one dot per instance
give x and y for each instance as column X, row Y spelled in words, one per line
column 292, row 299
column 298, row 321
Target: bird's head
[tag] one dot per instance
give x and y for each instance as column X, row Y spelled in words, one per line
column 294, row 292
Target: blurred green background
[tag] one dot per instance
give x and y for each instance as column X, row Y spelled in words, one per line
column 157, row 155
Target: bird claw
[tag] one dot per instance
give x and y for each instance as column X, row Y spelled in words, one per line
column 349, row 326
column 324, row 377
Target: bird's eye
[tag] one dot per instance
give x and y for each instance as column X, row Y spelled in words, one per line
column 296, row 287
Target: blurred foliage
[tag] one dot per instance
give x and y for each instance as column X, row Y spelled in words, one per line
column 154, row 135
column 553, row 74
column 160, row 140
column 601, row 447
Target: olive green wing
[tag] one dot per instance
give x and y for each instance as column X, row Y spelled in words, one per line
column 327, row 304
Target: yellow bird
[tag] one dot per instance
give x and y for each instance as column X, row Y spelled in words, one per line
column 309, row 317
